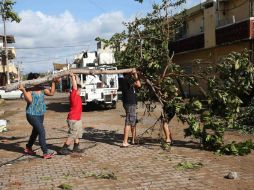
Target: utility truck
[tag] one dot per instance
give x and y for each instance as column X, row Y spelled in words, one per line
column 99, row 89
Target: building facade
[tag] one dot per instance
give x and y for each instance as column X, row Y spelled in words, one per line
column 13, row 71
column 212, row 30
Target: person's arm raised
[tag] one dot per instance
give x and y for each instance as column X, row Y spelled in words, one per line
column 137, row 82
column 27, row 95
column 74, row 81
column 51, row 92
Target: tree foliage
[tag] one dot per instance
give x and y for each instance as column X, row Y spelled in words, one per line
column 145, row 45
column 230, row 84
column 140, row 1
column 7, row 12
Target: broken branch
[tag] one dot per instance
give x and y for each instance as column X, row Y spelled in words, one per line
column 14, row 86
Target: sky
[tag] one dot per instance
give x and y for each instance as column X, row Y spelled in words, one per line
column 53, row 31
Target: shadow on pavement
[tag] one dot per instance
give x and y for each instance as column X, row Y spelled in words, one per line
column 11, row 146
column 149, row 141
column 96, row 135
column 58, row 107
column 113, row 138
column 95, row 107
column 65, row 107
column 15, row 147
column 56, row 146
column 103, row 136
column 187, row 144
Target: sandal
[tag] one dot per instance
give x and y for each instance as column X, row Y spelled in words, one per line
column 125, row 146
column 169, row 143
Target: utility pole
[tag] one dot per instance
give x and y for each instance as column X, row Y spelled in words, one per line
column 19, row 71
column 5, row 45
column 7, row 14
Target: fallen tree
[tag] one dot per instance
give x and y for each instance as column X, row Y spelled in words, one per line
column 14, row 86
column 147, row 47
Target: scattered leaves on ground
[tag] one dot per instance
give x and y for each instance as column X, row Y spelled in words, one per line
column 65, row 186
column 46, row 178
column 189, row 165
column 101, row 175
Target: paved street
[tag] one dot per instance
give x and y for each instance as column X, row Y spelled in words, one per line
column 104, row 165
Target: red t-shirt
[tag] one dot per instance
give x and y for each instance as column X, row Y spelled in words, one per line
column 75, row 106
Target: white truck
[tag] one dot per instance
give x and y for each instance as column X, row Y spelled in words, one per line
column 99, row 89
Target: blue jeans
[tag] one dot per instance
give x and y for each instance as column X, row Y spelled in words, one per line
column 38, row 130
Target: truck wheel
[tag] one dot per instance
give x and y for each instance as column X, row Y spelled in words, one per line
column 113, row 105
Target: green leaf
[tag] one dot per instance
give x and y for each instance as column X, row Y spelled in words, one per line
column 237, row 65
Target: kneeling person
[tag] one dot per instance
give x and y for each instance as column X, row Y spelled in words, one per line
column 74, row 119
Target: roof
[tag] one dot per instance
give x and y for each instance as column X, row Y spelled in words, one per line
column 59, row 66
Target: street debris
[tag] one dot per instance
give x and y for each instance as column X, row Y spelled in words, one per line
column 189, row 165
column 3, row 126
column 232, row 175
column 65, row 186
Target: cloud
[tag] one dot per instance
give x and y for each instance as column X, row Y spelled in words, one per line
column 40, row 30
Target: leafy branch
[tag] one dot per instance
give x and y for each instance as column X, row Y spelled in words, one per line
column 144, row 45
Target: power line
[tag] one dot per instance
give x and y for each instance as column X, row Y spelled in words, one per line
column 96, row 5
column 88, row 43
column 51, row 47
column 56, row 58
column 49, row 59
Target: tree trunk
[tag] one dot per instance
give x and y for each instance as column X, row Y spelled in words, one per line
column 49, row 78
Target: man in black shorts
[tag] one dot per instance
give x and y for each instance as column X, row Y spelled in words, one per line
column 130, row 83
column 169, row 113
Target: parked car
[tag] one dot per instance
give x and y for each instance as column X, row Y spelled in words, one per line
column 15, row 94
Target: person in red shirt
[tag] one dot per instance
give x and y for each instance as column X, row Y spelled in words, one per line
column 74, row 121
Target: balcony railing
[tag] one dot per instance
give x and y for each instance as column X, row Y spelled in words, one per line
column 234, row 32
column 187, row 44
column 243, row 30
column 9, row 38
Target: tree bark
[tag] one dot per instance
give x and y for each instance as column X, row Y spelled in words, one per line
column 14, row 86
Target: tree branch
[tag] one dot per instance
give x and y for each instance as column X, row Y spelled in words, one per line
column 48, row 78
column 154, row 91
column 166, row 68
